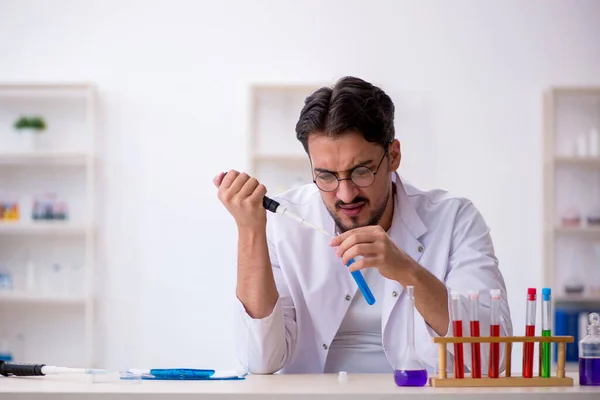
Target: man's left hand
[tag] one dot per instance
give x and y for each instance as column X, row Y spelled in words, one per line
column 376, row 248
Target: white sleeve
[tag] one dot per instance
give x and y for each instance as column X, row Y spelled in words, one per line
column 474, row 266
column 264, row 345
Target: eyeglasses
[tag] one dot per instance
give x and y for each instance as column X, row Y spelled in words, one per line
column 360, row 176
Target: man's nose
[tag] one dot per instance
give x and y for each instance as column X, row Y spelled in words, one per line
column 347, row 191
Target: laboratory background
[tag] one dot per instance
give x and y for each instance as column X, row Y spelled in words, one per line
column 116, row 115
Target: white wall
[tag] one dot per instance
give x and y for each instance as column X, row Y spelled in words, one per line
column 173, row 77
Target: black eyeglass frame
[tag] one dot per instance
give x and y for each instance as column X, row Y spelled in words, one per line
column 350, row 172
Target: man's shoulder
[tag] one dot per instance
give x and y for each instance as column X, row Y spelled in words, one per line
column 433, row 197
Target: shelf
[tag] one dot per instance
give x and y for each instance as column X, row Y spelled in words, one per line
column 286, row 88
column 577, row 299
column 41, row 228
column 281, row 158
column 16, row 297
column 578, row 161
column 579, row 231
column 577, row 90
column 45, row 86
column 45, row 90
column 62, row 163
column 43, row 158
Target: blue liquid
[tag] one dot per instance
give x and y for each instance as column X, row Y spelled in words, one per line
column 362, row 285
column 409, row 377
column 589, row 371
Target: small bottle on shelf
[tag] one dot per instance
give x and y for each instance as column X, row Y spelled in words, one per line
column 37, row 212
column 594, row 143
column 593, row 215
column 582, row 145
column 59, row 211
column 574, row 284
column 594, row 285
column 571, row 218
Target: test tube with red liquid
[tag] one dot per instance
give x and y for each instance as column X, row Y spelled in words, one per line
column 529, row 331
column 459, row 364
column 474, row 325
column 494, row 364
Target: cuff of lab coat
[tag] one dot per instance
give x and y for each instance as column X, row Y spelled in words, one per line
column 261, row 341
column 250, row 321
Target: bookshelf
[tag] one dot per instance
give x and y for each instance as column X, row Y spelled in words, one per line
column 571, row 205
column 48, row 247
column 572, row 193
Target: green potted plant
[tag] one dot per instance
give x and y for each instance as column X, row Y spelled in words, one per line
column 27, row 129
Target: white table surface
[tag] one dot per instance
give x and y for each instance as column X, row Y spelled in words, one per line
column 313, row 387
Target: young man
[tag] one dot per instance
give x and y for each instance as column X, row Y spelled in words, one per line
column 299, row 307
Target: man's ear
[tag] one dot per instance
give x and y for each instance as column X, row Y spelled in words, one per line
column 395, row 154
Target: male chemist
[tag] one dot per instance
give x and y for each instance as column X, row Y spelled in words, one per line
column 299, row 309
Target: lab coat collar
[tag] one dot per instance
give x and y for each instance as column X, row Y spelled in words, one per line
column 404, row 212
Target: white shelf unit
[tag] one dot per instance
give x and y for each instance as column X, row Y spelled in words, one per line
column 571, row 190
column 42, row 228
column 16, row 297
column 48, row 314
column 43, row 158
column 277, row 158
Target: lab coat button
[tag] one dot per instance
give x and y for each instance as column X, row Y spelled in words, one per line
column 348, row 297
column 324, row 346
column 420, row 249
column 394, row 294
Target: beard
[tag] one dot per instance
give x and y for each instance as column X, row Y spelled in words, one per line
column 374, row 217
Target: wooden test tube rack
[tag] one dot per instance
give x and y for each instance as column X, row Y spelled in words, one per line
column 507, row 380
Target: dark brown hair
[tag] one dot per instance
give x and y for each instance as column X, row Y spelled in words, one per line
column 352, row 104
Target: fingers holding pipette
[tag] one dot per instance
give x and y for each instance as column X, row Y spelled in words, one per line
column 242, row 195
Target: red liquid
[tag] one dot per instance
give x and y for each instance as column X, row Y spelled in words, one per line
column 459, row 363
column 494, row 353
column 528, row 353
column 475, row 352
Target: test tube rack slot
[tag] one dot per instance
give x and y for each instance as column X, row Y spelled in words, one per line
column 506, row 380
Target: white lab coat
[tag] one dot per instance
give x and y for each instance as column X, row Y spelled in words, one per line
column 443, row 233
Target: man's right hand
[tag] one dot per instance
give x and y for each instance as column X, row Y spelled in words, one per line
column 243, row 198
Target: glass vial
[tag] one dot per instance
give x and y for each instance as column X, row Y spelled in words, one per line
column 589, row 354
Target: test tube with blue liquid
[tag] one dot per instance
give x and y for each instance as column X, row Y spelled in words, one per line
column 362, row 285
column 410, row 371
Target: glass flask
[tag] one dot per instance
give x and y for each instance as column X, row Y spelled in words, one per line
column 410, row 371
column 589, row 354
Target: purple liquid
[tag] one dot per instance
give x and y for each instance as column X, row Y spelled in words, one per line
column 410, row 377
column 589, row 371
